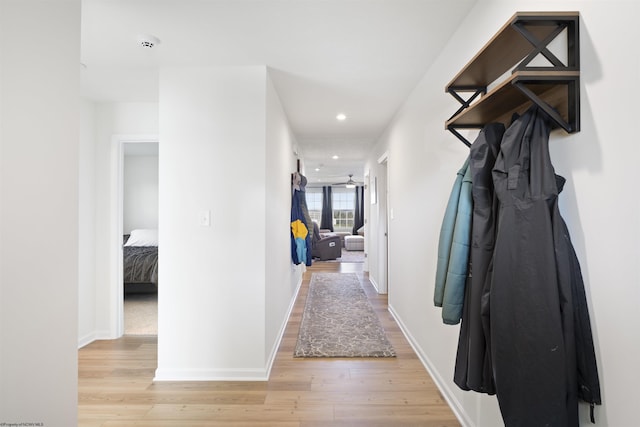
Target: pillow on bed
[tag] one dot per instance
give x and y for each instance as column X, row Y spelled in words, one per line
column 143, row 238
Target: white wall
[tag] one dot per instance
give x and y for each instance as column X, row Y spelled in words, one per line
column 269, row 168
column 87, row 225
column 598, row 202
column 111, row 119
column 39, row 112
column 213, row 153
column 282, row 277
column 140, row 192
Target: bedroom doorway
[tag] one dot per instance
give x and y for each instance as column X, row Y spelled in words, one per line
column 140, row 225
column 134, row 206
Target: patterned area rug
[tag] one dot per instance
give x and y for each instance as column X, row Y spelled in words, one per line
column 338, row 320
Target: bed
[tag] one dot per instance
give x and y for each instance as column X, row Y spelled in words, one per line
column 140, row 260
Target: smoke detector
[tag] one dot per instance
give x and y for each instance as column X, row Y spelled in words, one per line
column 148, row 41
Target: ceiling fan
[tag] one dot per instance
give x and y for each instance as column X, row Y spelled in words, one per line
column 350, row 182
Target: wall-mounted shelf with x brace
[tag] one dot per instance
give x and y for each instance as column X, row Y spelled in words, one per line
column 554, row 88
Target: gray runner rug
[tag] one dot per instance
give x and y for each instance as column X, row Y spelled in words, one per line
column 339, row 321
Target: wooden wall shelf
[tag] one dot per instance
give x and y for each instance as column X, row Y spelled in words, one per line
column 555, row 88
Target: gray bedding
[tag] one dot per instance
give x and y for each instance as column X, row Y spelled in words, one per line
column 141, row 264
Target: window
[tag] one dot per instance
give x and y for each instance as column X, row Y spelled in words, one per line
column 344, row 203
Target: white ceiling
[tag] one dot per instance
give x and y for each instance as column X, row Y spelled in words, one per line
column 359, row 57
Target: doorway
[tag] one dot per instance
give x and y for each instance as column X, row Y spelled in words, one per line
column 123, row 147
column 140, row 222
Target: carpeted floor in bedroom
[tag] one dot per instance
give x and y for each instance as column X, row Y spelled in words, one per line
column 141, row 314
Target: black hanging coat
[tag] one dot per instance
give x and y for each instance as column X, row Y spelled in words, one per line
column 541, row 345
column 473, row 370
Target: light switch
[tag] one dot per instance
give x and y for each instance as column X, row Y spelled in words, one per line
column 204, row 218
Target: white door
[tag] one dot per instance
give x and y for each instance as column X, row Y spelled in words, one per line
column 383, row 227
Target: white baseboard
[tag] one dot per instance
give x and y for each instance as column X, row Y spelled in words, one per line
column 86, row 340
column 94, row 336
column 211, row 375
column 233, row 374
column 442, row 385
column 375, row 285
column 283, row 327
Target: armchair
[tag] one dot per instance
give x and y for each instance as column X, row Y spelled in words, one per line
column 325, row 248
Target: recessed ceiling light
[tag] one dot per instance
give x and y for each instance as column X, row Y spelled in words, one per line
column 335, row 157
column 341, row 117
column 317, row 169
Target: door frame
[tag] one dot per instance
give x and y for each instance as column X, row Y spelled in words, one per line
column 383, row 220
column 117, row 226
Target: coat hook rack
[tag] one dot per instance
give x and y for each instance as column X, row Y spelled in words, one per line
column 554, row 88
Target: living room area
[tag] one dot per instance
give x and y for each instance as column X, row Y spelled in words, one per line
column 338, row 246
column 337, row 213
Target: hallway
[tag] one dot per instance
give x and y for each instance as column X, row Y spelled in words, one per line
column 116, row 386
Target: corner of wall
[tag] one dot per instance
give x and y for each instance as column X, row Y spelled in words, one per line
column 447, row 393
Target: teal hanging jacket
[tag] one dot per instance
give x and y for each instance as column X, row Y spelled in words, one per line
column 453, row 249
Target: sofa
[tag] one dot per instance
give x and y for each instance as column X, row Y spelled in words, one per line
column 325, row 246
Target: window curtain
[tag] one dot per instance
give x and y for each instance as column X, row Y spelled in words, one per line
column 358, row 215
column 326, row 221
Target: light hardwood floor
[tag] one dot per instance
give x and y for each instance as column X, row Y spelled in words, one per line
column 116, row 387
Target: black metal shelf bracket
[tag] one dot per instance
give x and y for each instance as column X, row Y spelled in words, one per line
column 454, row 130
column 540, row 47
column 573, row 102
column 477, row 91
